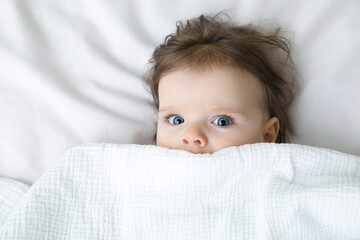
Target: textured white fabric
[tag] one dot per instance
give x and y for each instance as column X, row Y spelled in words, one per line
column 257, row 191
column 11, row 193
column 70, row 71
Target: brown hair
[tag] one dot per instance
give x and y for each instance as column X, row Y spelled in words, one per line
column 204, row 42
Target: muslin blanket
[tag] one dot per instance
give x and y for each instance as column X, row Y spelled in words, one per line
column 255, row 191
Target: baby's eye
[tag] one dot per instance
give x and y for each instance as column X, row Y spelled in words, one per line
column 175, row 120
column 222, row 121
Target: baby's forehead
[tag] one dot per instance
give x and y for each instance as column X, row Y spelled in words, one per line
column 221, row 82
column 241, row 72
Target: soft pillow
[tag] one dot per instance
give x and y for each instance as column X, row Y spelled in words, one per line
column 71, row 73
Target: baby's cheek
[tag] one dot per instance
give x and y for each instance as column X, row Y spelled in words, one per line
column 236, row 138
column 159, row 139
column 164, row 139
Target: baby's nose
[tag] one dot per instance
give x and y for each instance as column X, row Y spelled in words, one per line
column 194, row 138
column 198, row 142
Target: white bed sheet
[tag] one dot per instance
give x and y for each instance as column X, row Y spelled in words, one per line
column 71, row 72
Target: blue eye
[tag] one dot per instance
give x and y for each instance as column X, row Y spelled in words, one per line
column 175, row 120
column 222, row 121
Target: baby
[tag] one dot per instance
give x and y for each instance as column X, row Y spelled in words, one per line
column 217, row 85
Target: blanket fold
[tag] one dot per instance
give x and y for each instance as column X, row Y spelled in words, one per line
column 11, row 193
column 255, row 191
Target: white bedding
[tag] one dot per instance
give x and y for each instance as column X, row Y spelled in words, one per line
column 70, row 72
column 256, row 191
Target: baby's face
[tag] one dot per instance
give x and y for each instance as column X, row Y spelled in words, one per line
column 205, row 111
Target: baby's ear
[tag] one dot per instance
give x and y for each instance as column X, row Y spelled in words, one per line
column 272, row 127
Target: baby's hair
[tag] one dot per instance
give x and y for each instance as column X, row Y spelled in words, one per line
column 205, row 42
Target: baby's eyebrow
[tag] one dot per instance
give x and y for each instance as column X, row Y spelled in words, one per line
column 166, row 109
column 220, row 110
column 228, row 110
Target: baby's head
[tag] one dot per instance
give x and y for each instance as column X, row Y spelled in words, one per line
column 217, row 85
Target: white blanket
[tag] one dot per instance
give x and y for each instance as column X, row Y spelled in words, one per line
column 257, row 191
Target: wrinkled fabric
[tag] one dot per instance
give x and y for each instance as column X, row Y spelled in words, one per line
column 255, row 191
